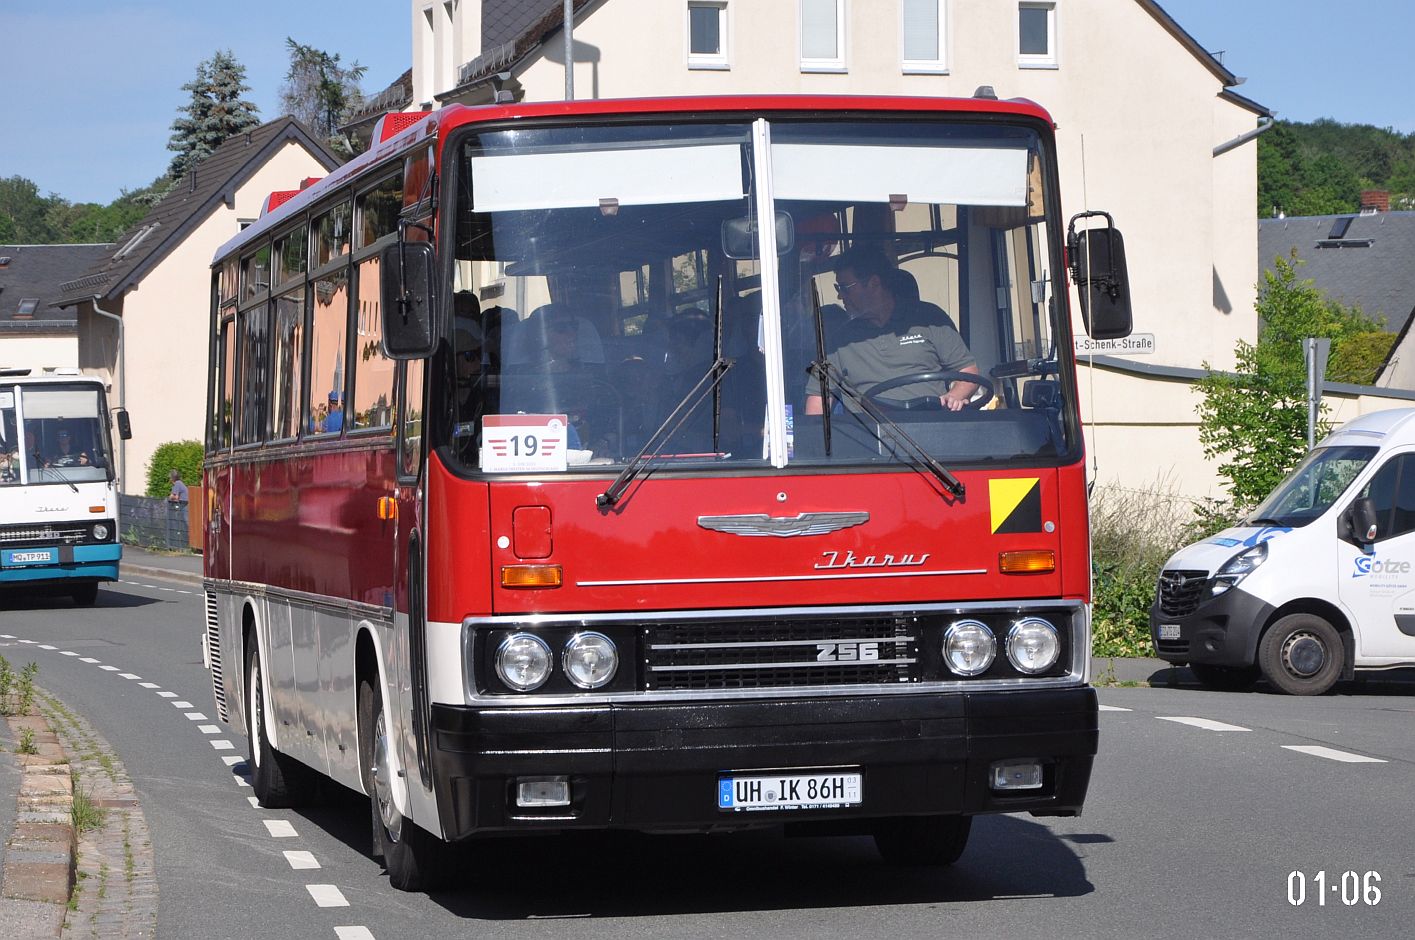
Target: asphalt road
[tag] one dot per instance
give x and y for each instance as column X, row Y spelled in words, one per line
column 1192, row 828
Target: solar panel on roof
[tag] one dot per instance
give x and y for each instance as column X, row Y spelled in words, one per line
column 1339, row 227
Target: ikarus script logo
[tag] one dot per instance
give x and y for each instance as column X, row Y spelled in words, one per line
column 1370, row 564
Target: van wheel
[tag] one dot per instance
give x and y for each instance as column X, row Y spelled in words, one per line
column 1302, row 654
column 85, row 594
column 415, row 859
column 922, row 840
column 1225, row 678
column 277, row 779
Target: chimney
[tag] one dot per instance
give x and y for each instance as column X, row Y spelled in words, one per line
column 1375, row 200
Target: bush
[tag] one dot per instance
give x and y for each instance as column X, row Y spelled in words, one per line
column 184, row 456
column 1133, row 533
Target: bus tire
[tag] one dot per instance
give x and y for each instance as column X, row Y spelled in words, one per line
column 415, row 859
column 1225, row 678
column 277, row 779
column 85, row 594
column 1302, row 654
column 922, row 840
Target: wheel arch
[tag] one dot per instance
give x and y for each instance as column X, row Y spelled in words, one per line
column 1329, row 612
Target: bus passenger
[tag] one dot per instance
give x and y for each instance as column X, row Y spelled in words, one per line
column 889, row 335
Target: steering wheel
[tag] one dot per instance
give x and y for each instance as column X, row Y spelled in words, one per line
column 946, row 376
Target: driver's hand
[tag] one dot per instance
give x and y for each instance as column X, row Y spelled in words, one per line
column 951, row 403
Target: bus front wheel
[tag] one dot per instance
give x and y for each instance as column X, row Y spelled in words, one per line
column 415, row 859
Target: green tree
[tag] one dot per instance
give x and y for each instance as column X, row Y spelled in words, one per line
column 321, row 93
column 1254, row 419
column 25, row 214
column 183, row 456
column 215, row 113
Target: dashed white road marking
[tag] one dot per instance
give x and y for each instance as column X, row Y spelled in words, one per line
column 240, row 781
column 353, row 933
column 209, row 729
column 128, row 675
column 149, row 685
column 168, row 694
column 46, row 646
column 280, row 828
column 1113, row 708
column 301, row 860
column 27, row 641
column 6, row 636
column 196, row 716
column 255, row 803
column 90, row 660
column 109, row 668
column 1345, row 757
column 67, row 653
column 231, row 760
column 223, row 745
column 327, row 895
column 1208, row 724
column 182, row 704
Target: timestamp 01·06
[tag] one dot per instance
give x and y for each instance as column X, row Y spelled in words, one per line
column 1351, row 887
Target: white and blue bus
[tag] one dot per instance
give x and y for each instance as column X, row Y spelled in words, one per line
column 58, row 491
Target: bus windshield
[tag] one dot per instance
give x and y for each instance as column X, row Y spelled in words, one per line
column 52, row 433
column 912, row 295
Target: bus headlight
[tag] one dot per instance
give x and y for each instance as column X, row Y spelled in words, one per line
column 523, row 662
column 1033, row 645
column 969, row 647
column 590, row 660
column 100, row 533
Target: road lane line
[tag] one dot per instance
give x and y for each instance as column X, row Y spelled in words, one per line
column 255, row 803
column 327, row 895
column 231, row 760
column 27, row 641
column 46, row 646
column 301, row 860
column 128, row 675
column 1113, row 708
column 182, row 704
column 109, row 668
column 90, row 660
column 196, row 716
column 149, row 685
column 223, row 745
column 1346, row 757
column 6, row 636
column 353, row 933
column 67, row 653
column 1208, row 724
column 168, row 694
column 208, row 729
column 280, row 828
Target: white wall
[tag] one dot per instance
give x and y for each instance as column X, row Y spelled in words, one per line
column 38, row 350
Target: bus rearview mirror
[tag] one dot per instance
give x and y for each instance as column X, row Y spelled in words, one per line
column 125, row 427
column 739, row 236
column 1097, row 261
column 406, row 297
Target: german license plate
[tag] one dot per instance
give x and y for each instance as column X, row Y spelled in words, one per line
column 788, row 791
column 1169, row 631
column 41, row 557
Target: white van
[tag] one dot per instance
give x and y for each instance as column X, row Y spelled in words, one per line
column 1317, row 583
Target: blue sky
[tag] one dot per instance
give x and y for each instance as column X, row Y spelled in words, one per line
column 92, row 87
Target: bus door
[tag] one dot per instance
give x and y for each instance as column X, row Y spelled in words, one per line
column 1378, row 586
column 410, row 582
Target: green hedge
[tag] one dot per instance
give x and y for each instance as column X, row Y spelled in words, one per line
column 185, row 456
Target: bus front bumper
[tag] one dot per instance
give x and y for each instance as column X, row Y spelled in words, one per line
column 64, row 563
column 659, row 766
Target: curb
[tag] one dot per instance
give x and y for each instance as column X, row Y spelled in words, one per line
column 169, row 574
column 39, row 855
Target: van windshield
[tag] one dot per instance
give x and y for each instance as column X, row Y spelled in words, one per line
column 1310, row 490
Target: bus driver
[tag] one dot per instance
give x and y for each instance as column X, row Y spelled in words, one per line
column 889, row 335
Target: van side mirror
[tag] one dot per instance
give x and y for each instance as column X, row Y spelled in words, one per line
column 1097, row 263
column 406, row 298
column 125, row 427
column 1361, row 520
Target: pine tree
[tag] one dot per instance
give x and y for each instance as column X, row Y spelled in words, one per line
column 216, row 112
column 321, row 93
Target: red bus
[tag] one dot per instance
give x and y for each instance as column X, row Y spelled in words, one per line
column 689, row 464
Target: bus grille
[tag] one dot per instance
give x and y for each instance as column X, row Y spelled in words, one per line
column 1181, row 591
column 14, row 535
column 776, row 653
column 213, row 649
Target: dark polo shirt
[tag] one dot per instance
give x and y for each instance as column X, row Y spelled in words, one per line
column 917, row 338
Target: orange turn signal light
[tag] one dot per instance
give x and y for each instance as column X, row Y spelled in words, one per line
column 95, row 509
column 531, row 576
column 387, row 508
column 1030, row 561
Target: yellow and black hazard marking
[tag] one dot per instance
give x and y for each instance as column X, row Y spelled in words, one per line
column 1016, row 505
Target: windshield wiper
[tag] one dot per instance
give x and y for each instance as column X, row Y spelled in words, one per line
column 922, row 459
column 660, row 438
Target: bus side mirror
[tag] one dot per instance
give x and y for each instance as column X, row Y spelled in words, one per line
column 1361, row 520
column 125, row 427
column 406, row 298
column 1097, row 262
column 739, row 237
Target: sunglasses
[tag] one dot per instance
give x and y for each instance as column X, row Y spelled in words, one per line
column 842, row 288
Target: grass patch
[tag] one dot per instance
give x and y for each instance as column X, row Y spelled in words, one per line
column 86, row 815
column 27, row 745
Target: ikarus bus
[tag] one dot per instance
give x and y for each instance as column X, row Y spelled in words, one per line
column 58, row 492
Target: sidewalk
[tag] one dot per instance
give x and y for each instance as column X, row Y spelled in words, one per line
column 141, row 563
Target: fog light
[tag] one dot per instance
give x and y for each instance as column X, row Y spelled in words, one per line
column 1016, row 775
column 1033, row 645
column 523, row 662
column 542, row 791
column 590, row 660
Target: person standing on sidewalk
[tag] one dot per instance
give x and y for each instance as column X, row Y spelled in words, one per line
column 179, row 489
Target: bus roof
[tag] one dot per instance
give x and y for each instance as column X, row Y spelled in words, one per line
column 406, row 132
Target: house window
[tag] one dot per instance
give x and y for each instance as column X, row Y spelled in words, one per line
column 822, row 35
column 707, row 34
column 924, row 25
column 1036, row 35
